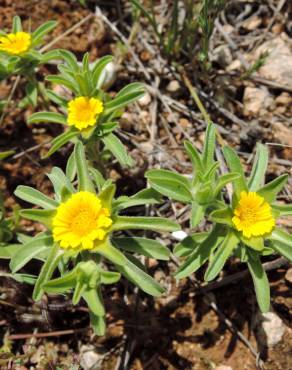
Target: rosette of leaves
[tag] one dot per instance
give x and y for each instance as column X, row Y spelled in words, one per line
column 246, row 228
column 203, row 190
column 86, row 80
column 87, row 275
column 22, row 56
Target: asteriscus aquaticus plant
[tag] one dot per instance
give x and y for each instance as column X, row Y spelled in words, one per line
column 81, row 221
column 15, row 43
column 83, row 112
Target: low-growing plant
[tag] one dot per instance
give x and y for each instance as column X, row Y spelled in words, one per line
column 245, row 227
column 91, row 114
column 20, row 55
column 190, row 28
column 82, row 224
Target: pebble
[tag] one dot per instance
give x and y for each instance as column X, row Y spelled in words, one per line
column 288, row 276
column 173, row 86
column 270, row 329
column 89, row 359
column 223, row 367
column 144, row 100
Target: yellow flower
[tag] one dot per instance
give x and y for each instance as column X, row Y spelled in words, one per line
column 253, row 215
column 15, row 43
column 80, row 221
column 83, row 112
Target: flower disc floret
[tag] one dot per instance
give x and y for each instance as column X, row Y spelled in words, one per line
column 81, row 221
column 83, row 112
column 15, row 43
column 253, row 215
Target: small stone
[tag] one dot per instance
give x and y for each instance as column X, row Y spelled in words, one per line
column 252, row 23
column 256, row 101
column 223, row 367
column 173, row 86
column 144, row 100
column 89, row 359
column 179, row 235
column 270, row 329
column 278, row 63
column 288, row 276
column 222, row 55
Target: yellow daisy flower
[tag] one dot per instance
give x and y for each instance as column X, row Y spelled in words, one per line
column 253, row 215
column 83, row 112
column 80, row 221
column 15, row 43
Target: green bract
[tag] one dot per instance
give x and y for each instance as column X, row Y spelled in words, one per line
column 204, row 193
column 87, row 276
column 87, row 80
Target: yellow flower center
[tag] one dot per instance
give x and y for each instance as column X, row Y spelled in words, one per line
column 81, row 221
column 83, row 112
column 15, row 43
column 253, row 215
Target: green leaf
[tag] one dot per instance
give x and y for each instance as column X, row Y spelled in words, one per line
column 282, row 243
column 224, row 180
column 140, row 278
column 46, row 272
column 97, row 323
column 29, row 251
column 70, row 59
column 221, row 255
column 50, row 55
column 109, row 277
column 144, row 223
column 59, row 80
column 201, row 253
column 97, row 177
column 16, row 24
column 57, row 99
column 260, row 164
column 35, row 197
column 8, row 250
column 42, row 30
column 195, row 156
column 127, row 95
column 234, row 165
column 106, row 196
column 222, row 216
column 93, row 299
column 98, row 69
column 143, row 197
column 209, row 146
column 116, row 147
column 256, row 243
column 260, row 280
column 111, row 253
column 283, row 209
column 84, row 181
column 71, row 169
column 189, row 244
column 271, row 189
column 47, row 117
column 146, row 247
column 61, row 284
column 44, row 216
column 59, row 181
column 170, row 184
column 6, row 154
column 197, row 214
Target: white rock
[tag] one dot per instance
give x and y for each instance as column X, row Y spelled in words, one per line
column 179, row 235
column 223, row 367
column 144, row 100
column 256, row 101
column 270, row 329
column 173, row 86
column 278, row 63
column 89, row 359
